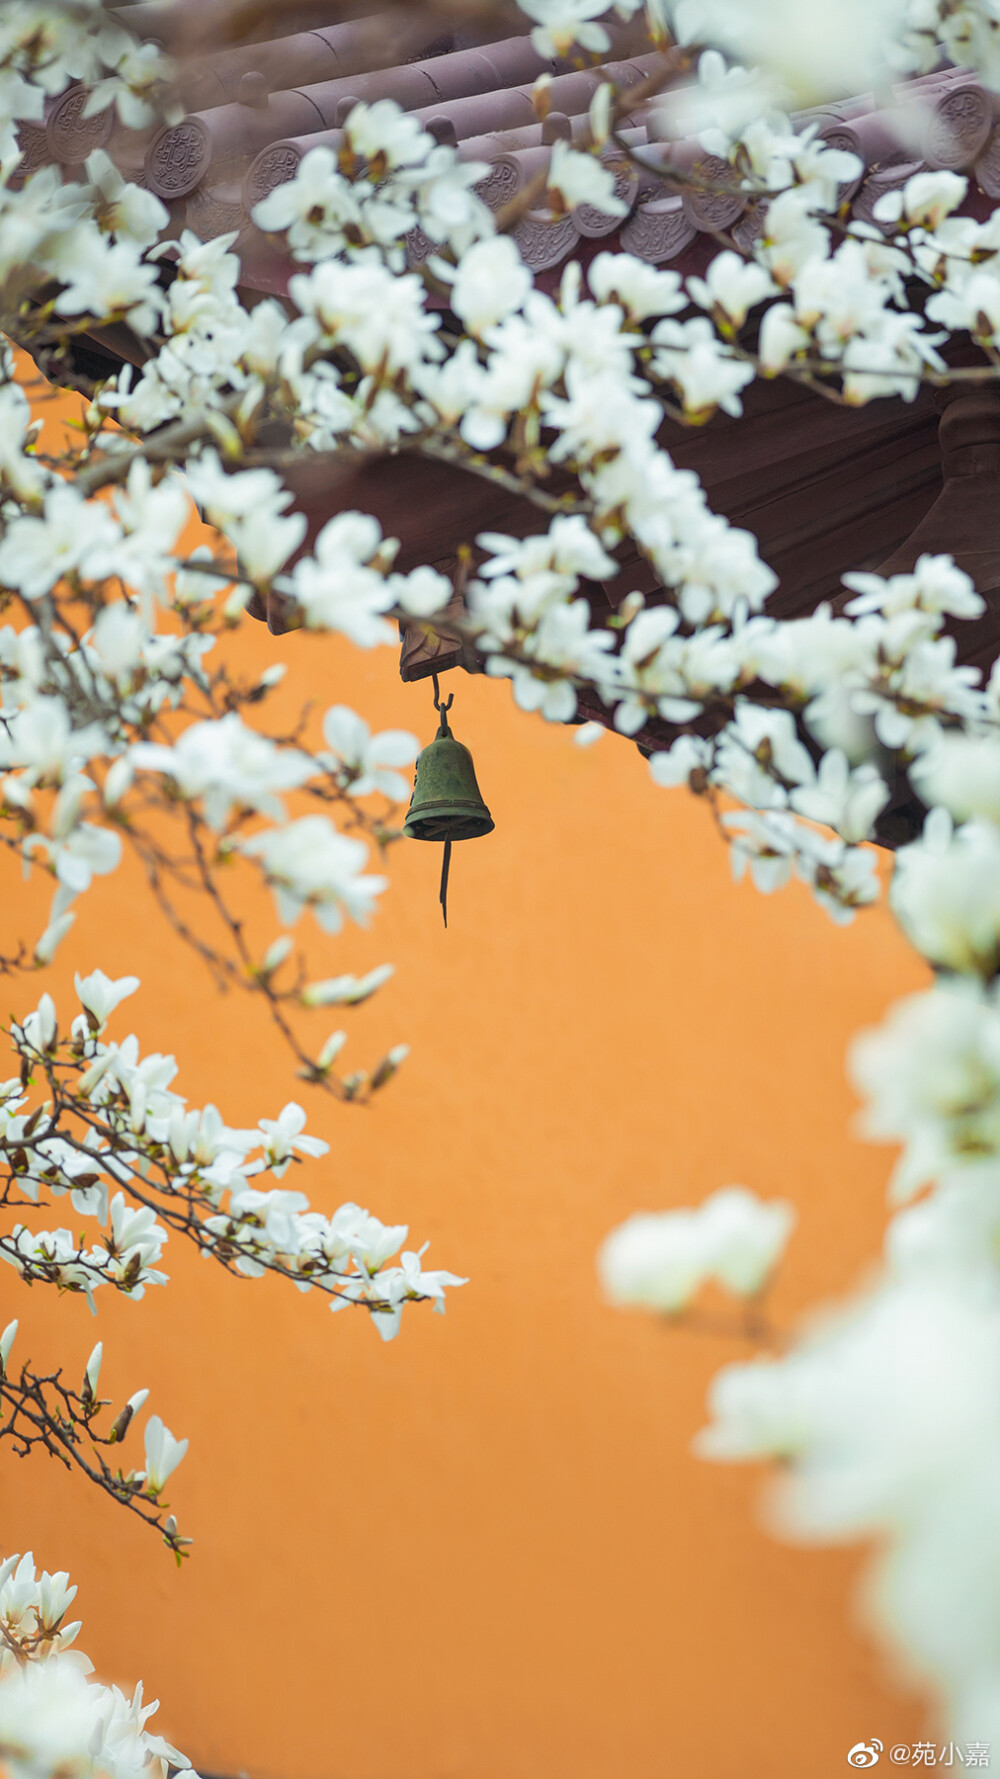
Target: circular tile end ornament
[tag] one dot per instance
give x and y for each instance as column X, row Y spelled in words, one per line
column 70, row 135
column 274, row 166
column 178, row 158
column 959, row 127
column 658, row 230
column 543, row 241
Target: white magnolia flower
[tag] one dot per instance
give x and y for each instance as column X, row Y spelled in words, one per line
column 820, row 58
column 163, row 1453
column 422, row 592
column 336, row 590
column 124, row 210
column 72, row 536
column 49, row 1719
column 924, row 201
column 583, row 179
column 744, row 1237
column 375, row 314
column 935, row 585
column 284, row 1137
column 39, row 1027
column 100, row 995
column 660, row 1260
column 18, row 471
column 310, row 865
column 731, row 286
column 640, row 289
column 845, row 799
column 384, row 132
column 490, row 283
column 654, row 1261
column 930, row 1077
column 314, row 208
column 108, row 279
column 690, row 355
column 688, row 754
column 225, row 495
column 961, row 773
column 49, row 941
column 760, row 1410
column 364, row 762
column 228, row 765
column 781, row 337
column 563, row 23
column 365, row 1238
column 946, row 895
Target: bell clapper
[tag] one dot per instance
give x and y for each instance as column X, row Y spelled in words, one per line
column 443, row 731
column 447, row 803
column 443, row 891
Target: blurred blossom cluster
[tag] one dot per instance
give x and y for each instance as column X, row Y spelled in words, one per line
column 53, row 1719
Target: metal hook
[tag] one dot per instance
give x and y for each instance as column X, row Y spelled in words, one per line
column 441, row 706
column 438, row 704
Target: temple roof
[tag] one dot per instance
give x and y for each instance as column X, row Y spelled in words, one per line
column 256, row 109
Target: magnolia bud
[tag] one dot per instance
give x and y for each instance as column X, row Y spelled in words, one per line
column 117, row 781
column 334, row 1044
column 541, row 97
column 46, row 946
column 600, row 113
column 92, row 1373
column 90, row 1077
column 6, row 1342
column 235, row 606
column 346, row 991
column 276, row 954
column 131, row 1408
column 389, row 1064
column 588, row 733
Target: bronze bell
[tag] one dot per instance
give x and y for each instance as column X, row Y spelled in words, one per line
column 447, row 803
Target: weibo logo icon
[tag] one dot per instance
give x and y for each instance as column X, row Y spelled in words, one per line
column 865, row 1754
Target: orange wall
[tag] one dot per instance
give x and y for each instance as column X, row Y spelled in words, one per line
column 486, row 1552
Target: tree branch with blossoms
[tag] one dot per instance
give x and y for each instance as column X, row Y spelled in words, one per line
column 110, row 1122
column 43, row 1413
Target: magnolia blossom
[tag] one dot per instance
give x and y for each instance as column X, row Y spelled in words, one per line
column 364, row 762
column 946, row 895
column 660, row 1260
column 33, row 1613
column 284, row 1136
column 563, row 23
column 581, row 179
column 961, row 773
column 100, row 996
column 309, row 865
column 52, row 1718
column 163, row 1453
column 228, row 765
column 491, row 281
column 930, row 1076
